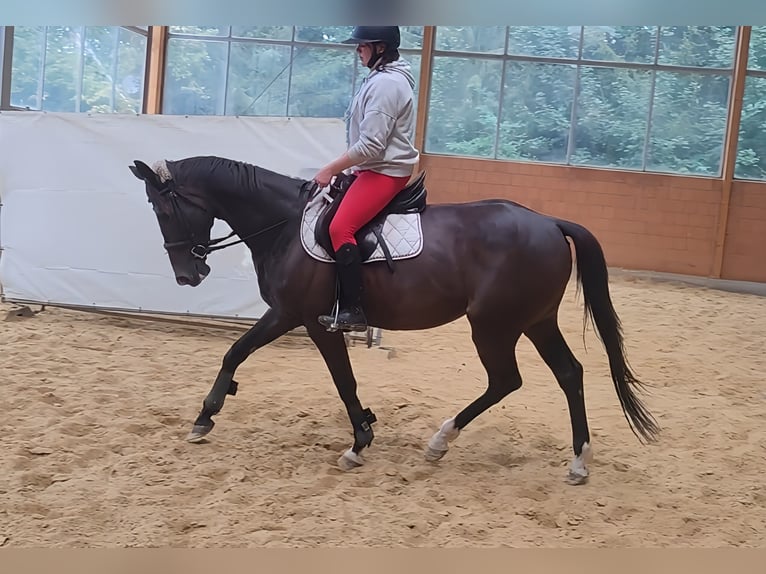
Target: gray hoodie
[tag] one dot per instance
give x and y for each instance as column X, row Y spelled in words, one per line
column 380, row 121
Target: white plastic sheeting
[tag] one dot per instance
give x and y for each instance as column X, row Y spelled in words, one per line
column 75, row 225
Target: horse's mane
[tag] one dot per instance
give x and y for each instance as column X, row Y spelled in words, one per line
column 221, row 172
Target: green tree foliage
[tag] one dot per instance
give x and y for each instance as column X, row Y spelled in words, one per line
column 78, row 69
column 28, row 55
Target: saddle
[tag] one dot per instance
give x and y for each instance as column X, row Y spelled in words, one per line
column 411, row 199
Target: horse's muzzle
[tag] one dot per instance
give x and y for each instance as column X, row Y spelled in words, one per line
column 194, row 278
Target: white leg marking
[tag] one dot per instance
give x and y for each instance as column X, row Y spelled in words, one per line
column 578, row 471
column 439, row 443
column 349, row 460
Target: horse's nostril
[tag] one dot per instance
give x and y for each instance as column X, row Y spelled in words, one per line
column 181, row 280
column 203, row 269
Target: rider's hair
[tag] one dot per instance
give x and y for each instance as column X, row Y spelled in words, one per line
column 387, row 56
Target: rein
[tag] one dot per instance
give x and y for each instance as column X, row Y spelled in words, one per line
column 201, row 249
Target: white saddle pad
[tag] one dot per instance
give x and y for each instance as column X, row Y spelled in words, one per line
column 401, row 232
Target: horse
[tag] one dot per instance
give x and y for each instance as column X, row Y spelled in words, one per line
column 500, row 264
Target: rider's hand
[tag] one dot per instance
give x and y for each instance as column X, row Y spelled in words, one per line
column 323, row 177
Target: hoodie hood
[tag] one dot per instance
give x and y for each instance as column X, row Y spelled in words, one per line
column 402, row 67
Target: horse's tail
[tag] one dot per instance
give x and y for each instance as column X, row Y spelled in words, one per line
column 593, row 276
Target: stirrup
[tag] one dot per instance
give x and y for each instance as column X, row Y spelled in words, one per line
column 328, row 323
column 331, row 323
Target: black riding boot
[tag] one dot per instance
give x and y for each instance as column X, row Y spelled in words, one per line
column 350, row 316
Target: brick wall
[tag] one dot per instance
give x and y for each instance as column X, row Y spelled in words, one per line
column 644, row 221
column 744, row 255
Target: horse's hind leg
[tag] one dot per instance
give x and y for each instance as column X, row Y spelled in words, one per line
column 268, row 328
column 549, row 342
column 496, row 349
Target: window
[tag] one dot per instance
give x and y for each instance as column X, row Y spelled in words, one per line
column 751, row 149
column 634, row 97
column 78, row 68
column 268, row 70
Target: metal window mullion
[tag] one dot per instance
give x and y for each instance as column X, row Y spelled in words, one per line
column 301, row 44
column 271, row 41
column 115, row 68
column 418, row 53
column 504, row 65
column 587, row 62
column 650, row 111
column 226, row 70
column 650, row 116
column 191, row 36
column 41, row 83
column 575, row 98
column 354, row 77
column 290, row 74
column 703, row 71
column 657, row 46
column 476, row 55
column 137, row 30
column 80, row 70
column 229, row 39
column 226, row 74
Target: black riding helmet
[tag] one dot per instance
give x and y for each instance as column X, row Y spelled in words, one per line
column 371, row 34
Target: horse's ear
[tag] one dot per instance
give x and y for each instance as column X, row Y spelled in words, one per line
column 143, row 171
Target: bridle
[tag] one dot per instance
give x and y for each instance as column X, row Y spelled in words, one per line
column 201, row 249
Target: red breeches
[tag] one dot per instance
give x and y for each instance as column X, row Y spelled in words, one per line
column 367, row 196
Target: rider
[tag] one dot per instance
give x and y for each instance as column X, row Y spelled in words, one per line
column 380, row 125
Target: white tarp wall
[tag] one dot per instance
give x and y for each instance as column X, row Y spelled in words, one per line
column 75, row 225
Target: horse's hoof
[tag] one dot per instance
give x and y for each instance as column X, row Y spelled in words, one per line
column 578, row 470
column 349, row 460
column 574, row 479
column 432, row 455
column 198, row 432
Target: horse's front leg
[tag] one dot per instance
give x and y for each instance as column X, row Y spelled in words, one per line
column 270, row 327
column 332, row 347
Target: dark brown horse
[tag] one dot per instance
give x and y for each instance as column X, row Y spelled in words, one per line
column 504, row 266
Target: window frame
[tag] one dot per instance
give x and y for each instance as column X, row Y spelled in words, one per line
column 749, row 73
